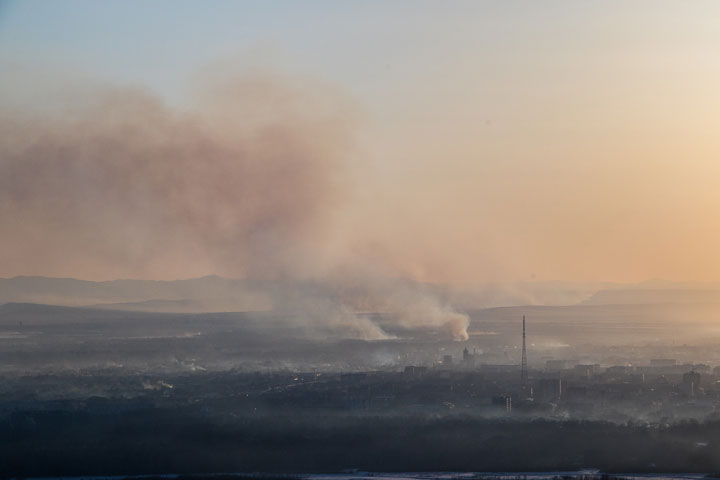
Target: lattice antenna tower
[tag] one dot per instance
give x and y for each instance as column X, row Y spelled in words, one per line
column 523, row 365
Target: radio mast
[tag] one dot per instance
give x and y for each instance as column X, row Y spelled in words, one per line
column 523, row 365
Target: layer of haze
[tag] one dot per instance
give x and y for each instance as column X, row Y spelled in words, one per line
column 453, row 142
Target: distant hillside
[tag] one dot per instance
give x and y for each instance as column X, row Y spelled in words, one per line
column 218, row 294
column 637, row 296
column 210, row 293
column 181, row 306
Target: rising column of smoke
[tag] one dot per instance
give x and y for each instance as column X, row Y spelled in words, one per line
column 409, row 304
column 246, row 184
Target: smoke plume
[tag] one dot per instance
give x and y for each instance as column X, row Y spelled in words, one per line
column 127, row 186
column 244, row 184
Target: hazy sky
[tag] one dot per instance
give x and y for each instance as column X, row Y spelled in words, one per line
column 445, row 141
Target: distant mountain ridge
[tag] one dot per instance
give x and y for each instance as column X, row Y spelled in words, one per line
column 211, row 292
column 214, row 293
column 218, row 294
column 639, row 296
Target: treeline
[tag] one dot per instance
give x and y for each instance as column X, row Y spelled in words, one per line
column 154, row 441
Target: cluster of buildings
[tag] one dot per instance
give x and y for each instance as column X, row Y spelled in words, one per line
column 659, row 390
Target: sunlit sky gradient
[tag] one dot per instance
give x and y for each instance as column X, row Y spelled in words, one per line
column 493, row 140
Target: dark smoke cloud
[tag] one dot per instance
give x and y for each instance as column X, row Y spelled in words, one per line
column 245, row 184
